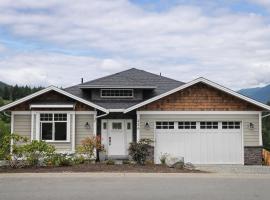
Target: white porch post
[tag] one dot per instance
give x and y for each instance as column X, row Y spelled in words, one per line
column 73, row 131
column 12, row 131
column 138, row 127
column 95, row 124
column 260, row 129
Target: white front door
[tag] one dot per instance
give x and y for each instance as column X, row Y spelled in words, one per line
column 116, row 136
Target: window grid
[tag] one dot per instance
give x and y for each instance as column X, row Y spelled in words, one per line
column 165, row 125
column 57, row 120
column 231, row 125
column 187, row 125
column 114, row 93
column 209, row 125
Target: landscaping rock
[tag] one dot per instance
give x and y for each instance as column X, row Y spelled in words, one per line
column 189, row 166
column 175, row 162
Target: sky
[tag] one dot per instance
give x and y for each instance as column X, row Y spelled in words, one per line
column 57, row 42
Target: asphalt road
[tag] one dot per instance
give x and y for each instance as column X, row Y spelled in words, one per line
column 54, row 187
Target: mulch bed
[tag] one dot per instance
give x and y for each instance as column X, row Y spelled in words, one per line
column 99, row 167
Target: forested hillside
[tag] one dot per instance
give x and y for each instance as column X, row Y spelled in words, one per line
column 11, row 93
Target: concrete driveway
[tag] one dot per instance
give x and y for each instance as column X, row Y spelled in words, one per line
column 133, row 186
column 235, row 169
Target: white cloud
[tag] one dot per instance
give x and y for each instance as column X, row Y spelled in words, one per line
column 183, row 42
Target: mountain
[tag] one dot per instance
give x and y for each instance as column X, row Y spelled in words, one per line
column 2, row 85
column 261, row 94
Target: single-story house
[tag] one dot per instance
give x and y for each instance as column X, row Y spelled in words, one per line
column 202, row 121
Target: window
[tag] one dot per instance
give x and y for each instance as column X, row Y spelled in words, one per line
column 164, row 125
column 128, row 126
column 116, row 125
column 116, row 93
column 209, row 125
column 186, row 125
column 230, row 125
column 104, row 125
column 53, row 126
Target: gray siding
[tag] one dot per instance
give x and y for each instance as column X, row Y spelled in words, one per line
column 22, row 125
column 80, row 131
column 251, row 137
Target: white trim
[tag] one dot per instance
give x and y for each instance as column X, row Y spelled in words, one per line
column 37, row 126
column 11, row 130
column 21, row 112
column 116, row 97
column 117, row 87
column 32, row 125
column 116, row 110
column 243, row 143
column 86, row 112
column 260, row 129
column 95, row 125
column 197, row 112
column 73, row 132
column 138, row 137
column 52, row 88
column 51, row 106
column 203, row 80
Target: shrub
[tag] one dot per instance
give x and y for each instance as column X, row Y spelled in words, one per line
column 15, row 157
column 163, row 157
column 78, row 160
column 139, row 151
column 35, row 151
column 126, row 162
column 88, row 146
column 110, row 162
column 59, row 160
column 4, row 146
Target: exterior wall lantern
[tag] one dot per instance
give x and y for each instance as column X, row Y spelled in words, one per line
column 147, row 125
column 251, row 125
column 87, row 125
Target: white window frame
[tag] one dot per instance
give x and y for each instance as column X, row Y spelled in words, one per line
column 39, row 124
column 163, row 125
column 190, row 125
column 132, row 91
column 234, row 126
column 212, row 125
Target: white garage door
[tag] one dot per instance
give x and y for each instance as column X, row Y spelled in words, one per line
column 204, row 142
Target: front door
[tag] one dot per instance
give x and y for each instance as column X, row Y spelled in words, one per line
column 116, row 136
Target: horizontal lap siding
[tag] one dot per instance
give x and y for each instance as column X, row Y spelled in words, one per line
column 22, row 125
column 81, row 132
column 251, row 137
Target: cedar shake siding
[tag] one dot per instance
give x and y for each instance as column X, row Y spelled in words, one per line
column 200, row 97
column 51, row 98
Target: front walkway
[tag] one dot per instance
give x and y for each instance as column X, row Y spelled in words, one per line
column 235, row 169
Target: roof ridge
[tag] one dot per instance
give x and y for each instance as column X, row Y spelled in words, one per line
column 107, row 76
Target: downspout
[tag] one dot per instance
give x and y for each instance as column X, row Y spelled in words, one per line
column 7, row 115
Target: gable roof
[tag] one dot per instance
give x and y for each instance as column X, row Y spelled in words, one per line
column 203, row 80
column 131, row 78
column 52, row 88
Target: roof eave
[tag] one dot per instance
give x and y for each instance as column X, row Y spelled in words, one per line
column 203, row 80
column 52, row 88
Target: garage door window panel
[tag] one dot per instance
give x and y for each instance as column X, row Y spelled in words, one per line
column 209, row 125
column 187, row 125
column 231, row 125
column 164, row 125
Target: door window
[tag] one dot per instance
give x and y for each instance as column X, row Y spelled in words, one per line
column 117, row 125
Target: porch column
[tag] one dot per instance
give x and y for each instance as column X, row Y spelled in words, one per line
column 138, row 127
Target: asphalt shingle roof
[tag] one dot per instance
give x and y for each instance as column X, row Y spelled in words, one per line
column 129, row 78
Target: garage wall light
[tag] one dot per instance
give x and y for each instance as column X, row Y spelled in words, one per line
column 87, row 125
column 251, row 125
column 147, row 125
